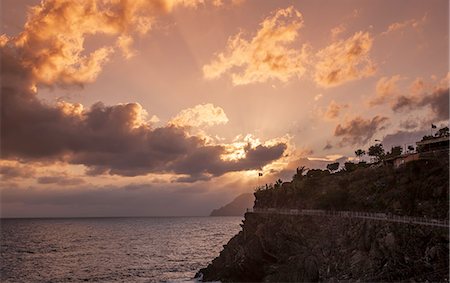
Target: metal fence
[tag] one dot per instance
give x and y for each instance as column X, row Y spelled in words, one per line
column 353, row 214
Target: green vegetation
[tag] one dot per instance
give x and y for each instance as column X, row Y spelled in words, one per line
column 360, row 153
column 376, row 151
column 333, row 166
column 418, row 188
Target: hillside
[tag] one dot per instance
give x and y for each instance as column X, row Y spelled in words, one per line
column 418, row 188
column 275, row 248
column 237, row 207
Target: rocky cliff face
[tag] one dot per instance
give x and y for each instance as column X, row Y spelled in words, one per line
column 286, row 248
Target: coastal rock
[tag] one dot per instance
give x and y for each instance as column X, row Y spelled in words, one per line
column 283, row 248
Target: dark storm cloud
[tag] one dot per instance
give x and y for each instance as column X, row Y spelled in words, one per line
column 359, row 131
column 438, row 101
column 205, row 162
column 106, row 139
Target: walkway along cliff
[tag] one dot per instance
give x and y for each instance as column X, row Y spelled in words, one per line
column 368, row 223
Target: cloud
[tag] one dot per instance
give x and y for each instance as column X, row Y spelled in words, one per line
column 415, row 24
column 318, row 97
column 386, row 89
column 206, row 162
column 60, row 180
column 109, row 139
column 266, row 56
column 409, row 124
column 337, row 31
column 334, row 109
column 344, row 61
column 438, row 101
column 358, row 131
column 417, row 86
column 328, row 146
column 53, row 42
column 401, row 138
column 10, row 170
column 199, row 116
column 118, row 139
column 113, row 139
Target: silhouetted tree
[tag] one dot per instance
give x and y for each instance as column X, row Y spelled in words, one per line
column 377, row 151
column 299, row 174
column 443, row 132
column 410, row 148
column 359, row 153
column 316, row 173
column 278, row 183
column 333, row 166
column 350, row 166
column 396, row 151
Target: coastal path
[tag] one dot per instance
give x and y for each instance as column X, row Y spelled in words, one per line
column 354, row 214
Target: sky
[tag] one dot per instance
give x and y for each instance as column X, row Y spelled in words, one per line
column 173, row 107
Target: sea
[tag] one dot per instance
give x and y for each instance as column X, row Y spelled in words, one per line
column 145, row 249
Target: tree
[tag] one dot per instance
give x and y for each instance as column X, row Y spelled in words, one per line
column 300, row 172
column 278, row 183
column 359, row 153
column 410, row 148
column 350, row 166
column 317, row 173
column 443, row 132
column 377, row 151
column 333, row 166
column 396, row 151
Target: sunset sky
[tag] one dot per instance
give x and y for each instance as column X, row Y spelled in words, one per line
column 172, row 107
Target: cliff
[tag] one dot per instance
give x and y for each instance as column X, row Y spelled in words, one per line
column 276, row 248
column 279, row 248
column 237, row 207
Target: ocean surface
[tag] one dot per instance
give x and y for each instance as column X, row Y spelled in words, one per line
column 146, row 249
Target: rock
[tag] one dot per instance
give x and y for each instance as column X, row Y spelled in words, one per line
column 281, row 248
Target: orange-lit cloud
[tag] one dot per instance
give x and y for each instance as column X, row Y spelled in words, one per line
column 199, row 116
column 334, row 109
column 53, row 43
column 344, row 61
column 415, row 24
column 266, row 55
column 422, row 94
column 115, row 140
column 386, row 89
column 337, row 31
column 13, row 170
column 358, row 131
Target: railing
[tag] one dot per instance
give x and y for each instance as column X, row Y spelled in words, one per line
column 354, row 214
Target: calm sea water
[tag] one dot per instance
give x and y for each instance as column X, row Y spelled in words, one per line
column 111, row 249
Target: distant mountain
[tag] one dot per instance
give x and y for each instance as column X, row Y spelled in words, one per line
column 237, row 207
